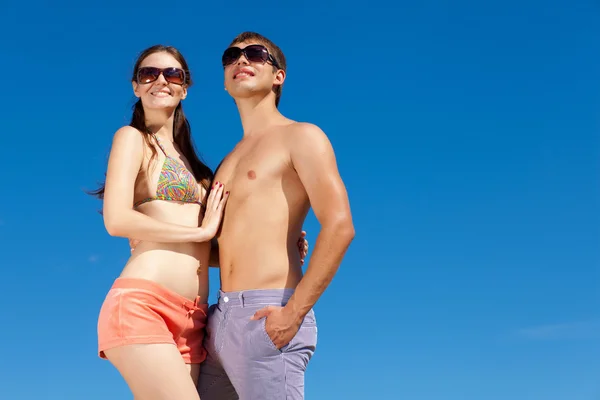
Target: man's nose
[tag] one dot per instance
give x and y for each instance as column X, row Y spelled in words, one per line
column 243, row 60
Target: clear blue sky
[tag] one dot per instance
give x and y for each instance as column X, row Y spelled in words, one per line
column 467, row 133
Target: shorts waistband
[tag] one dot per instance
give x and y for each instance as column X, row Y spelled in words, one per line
column 158, row 289
column 254, row 297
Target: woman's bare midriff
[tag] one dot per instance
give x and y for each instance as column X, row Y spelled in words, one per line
column 179, row 267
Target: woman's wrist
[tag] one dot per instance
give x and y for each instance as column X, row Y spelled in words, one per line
column 201, row 235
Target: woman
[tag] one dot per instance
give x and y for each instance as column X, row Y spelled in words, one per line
column 151, row 324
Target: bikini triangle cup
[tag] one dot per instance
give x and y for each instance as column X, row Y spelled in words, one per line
column 175, row 182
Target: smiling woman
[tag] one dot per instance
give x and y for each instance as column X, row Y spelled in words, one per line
column 151, row 324
column 178, row 80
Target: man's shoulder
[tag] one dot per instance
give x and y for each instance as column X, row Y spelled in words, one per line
column 303, row 131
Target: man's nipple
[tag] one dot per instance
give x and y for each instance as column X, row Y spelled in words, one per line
column 251, row 175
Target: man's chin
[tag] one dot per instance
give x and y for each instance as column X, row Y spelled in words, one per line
column 242, row 88
column 240, row 92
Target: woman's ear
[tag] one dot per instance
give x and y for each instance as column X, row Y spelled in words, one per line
column 135, row 86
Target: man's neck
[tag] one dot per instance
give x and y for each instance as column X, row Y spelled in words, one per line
column 257, row 114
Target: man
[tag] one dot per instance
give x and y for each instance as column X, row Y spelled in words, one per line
column 262, row 333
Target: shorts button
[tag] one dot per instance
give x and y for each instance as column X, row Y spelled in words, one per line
column 225, row 299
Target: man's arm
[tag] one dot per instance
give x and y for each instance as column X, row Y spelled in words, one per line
column 314, row 160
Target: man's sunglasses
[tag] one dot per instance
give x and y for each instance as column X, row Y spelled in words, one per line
column 171, row 75
column 253, row 53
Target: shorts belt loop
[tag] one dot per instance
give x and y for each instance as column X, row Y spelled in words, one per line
column 241, row 298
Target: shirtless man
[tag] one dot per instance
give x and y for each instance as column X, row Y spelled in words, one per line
column 262, row 332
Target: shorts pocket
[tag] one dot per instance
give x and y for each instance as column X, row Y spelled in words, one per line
column 263, row 326
column 309, row 319
column 303, row 345
column 305, row 337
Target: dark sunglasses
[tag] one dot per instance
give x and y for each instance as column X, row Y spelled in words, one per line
column 253, row 53
column 171, row 75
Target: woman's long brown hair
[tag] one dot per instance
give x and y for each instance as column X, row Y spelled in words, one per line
column 182, row 131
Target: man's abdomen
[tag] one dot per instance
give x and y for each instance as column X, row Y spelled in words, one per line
column 258, row 250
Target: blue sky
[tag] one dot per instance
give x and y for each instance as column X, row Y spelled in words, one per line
column 467, row 135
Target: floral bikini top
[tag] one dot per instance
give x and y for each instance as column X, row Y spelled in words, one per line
column 175, row 182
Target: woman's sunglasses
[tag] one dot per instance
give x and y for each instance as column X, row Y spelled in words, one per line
column 171, row 75
column 253, row 53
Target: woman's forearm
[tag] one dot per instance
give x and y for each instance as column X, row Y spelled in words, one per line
column 133, row 224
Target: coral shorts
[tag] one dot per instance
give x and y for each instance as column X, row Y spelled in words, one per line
column 139, row 311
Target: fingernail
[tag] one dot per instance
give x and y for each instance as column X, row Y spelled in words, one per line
column 227, row 192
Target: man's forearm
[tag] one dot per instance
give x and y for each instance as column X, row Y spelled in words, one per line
column 330, row 247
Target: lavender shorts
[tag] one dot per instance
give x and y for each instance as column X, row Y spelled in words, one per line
column 242, row 361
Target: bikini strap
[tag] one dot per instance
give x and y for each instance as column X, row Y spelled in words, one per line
column 159, row 144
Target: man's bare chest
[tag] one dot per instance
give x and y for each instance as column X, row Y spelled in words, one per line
column 253, row 165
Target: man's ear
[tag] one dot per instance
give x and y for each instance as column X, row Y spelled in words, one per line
column 279, row 77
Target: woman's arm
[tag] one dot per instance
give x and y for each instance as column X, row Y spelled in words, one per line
column 120, row 219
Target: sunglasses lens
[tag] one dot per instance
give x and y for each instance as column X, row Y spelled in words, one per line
column 148, row 74
column 174, row 75
column 256, row 53
column 231, row 55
